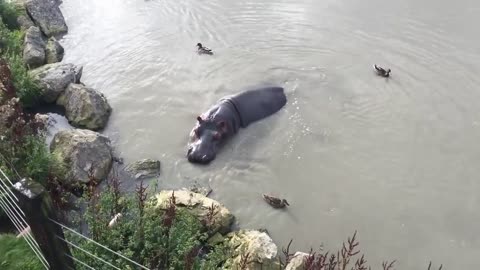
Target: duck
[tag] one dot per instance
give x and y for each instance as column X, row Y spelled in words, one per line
column 381, row 71
column 203, row 50
column 275, row 202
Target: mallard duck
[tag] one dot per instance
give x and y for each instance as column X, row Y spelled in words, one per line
column 203, row 50
column 275, row 202
column 381, row 71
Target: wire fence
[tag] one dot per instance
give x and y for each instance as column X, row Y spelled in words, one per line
column 10, row 204
column 99, row 245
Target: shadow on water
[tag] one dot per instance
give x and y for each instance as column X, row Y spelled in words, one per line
column 45, row 108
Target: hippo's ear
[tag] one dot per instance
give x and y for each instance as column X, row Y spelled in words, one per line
column 199, row 119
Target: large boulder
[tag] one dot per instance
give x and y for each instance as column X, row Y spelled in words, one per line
column 54, row 79
column 85, row 107
column 34, row 48
column 83, row 153
column 298, row 261
column 145, row 168
column 24, row 21
column 200, row 206
column 54, row 51
column 47, row 15
column 252, row 250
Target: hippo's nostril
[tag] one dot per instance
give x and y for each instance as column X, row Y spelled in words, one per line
column 189, row 151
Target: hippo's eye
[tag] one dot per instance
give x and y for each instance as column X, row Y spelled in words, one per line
column 217, row 136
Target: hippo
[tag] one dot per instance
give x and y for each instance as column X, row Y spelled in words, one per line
column 224, row 119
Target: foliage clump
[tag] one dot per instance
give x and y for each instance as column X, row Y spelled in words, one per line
column 11, row 50
column 131, row 225
column 23, row 151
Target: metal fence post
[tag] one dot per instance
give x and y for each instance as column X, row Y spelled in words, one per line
column 39, row 211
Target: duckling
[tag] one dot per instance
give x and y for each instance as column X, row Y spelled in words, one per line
column 381, row 71
column 203, row 50
column 275, row 202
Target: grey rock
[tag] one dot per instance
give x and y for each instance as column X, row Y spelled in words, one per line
column 85, row 107
column 145, row 168
column 263, row 252
column 83, row 154
column 47, row 15
column 77, row 71
column 24, row 21
column 54, row 79
column 34, row 49
column 54, row 51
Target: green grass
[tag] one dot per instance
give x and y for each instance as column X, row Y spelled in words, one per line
column 15, row 254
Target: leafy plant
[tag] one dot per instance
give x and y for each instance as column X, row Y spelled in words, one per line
column 159, row 239
column 346, row 258
column 11, row 49
column 27, row 89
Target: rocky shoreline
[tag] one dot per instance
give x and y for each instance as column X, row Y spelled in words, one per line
column 86, row 153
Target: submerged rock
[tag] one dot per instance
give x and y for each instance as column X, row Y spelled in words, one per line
column 145, row 168
column 47, row 15
column 205, row 191
column 298, row 261
column 200, row 206
column 200, row 189
column 85, row 107
column 54, row 79
column 258, row 246
column 53, row 51
column 34, row 48
column 82, row 153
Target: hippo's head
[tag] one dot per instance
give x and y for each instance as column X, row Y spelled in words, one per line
column 205, row 137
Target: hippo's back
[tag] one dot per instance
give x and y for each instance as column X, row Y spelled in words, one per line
column 256, row 104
